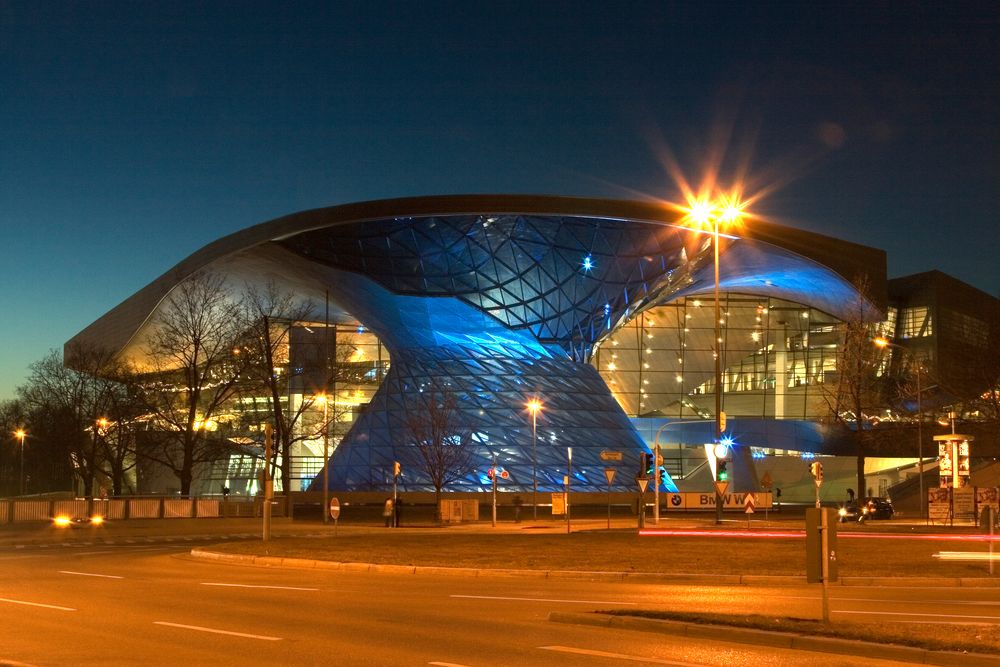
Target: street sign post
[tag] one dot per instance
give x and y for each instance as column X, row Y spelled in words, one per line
column 609, row 474
column 821, row 551
column 643, row 483
column 334, row 513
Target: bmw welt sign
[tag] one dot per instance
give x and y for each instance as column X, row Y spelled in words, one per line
column 706, row 501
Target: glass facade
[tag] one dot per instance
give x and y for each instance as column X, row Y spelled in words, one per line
column 776, row 354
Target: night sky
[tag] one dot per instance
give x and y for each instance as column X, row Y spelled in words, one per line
column 132, row 134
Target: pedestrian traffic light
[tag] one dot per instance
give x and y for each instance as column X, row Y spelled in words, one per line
column 397, row 469
column 721, row 472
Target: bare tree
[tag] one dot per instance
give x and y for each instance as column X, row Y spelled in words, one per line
column 859, row 390
column 195, row 373
column 268, row 317
column 291, row 384
column 442, row 449
column 77, row 401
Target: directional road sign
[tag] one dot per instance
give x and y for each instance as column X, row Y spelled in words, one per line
column 611, row 455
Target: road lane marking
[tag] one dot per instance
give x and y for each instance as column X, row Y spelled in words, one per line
column 498, row 597
column 216, row 631
column 913, row 613
column 280, row 588
column 448, row 664
column 37, row 604
column 617, row 656
column 90, row 574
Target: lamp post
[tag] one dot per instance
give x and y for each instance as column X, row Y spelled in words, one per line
column 20, row 434
column 534, row 406
column 883, row 343
column 326, row 457
column 711, row 215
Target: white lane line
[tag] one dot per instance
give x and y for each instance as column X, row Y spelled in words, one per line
column 279, row 588
column 995, row 619
column 90, row 574
column 448, row 664
column 37, row 604
column 497, row 597
column 617, row 656
column 217, row 632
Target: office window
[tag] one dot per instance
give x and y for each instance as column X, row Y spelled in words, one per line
column 916, row 323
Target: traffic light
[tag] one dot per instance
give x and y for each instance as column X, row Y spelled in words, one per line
column 816, row 468
column 721, row 472
column 490, row 473
column 645, row 465
column 397, row 469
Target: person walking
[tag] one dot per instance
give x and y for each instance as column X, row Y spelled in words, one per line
column 387, row 512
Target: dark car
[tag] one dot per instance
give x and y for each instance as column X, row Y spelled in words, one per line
column 871, row 508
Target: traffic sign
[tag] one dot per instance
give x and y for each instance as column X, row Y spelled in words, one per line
column 643, row 484
column 721, row 488
column 334, row 509
column 766, row 481
column 611, row 455
column 749, row 502
column 504, row 474
column 609, row 474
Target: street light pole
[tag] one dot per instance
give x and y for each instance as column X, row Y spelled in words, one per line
column 718, row 359
column 534, row 406
column 326, row 459
column 20, row 433
column 711, row 214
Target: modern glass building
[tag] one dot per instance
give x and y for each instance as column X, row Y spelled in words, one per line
column 600, row 310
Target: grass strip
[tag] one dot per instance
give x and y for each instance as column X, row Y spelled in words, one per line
column 968, row 638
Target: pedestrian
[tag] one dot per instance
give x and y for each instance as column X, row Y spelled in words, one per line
column 517, row 509
column 387, row 512
column 398, row 507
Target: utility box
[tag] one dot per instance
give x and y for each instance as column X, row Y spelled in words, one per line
column 457, row 511
column 815, row 547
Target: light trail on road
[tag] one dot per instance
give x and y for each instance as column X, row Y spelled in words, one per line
column 37, row 604
column 216, row 631
column 800, row 534
column 91, row 574
column 516, row 599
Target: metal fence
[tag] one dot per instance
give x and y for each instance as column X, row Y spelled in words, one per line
column 144, row 507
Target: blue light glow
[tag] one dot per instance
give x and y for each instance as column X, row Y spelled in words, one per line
column 588, row 263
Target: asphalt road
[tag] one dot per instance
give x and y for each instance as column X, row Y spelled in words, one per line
column 152, row 604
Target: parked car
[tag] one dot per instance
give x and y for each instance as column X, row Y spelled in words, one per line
column 871, row 508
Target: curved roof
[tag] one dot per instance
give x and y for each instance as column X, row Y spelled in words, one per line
column 767, row 258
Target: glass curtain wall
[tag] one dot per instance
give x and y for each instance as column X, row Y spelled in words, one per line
column 776, row 356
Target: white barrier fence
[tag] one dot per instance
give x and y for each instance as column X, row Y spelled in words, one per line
column 14, row 511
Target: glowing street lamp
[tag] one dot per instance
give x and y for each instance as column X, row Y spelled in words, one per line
column 20, row 435
column 883, row 343
column 725, row 211
column 534, row 406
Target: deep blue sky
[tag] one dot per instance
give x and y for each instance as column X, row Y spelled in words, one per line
column 133, row 133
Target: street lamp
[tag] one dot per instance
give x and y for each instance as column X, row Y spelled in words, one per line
column 883, row 343
column 712, row 215
column 322, row 398
column 534, row 406
column 20, row 434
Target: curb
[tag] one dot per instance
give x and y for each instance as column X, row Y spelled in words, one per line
column 638, row 577
column 789, row 640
